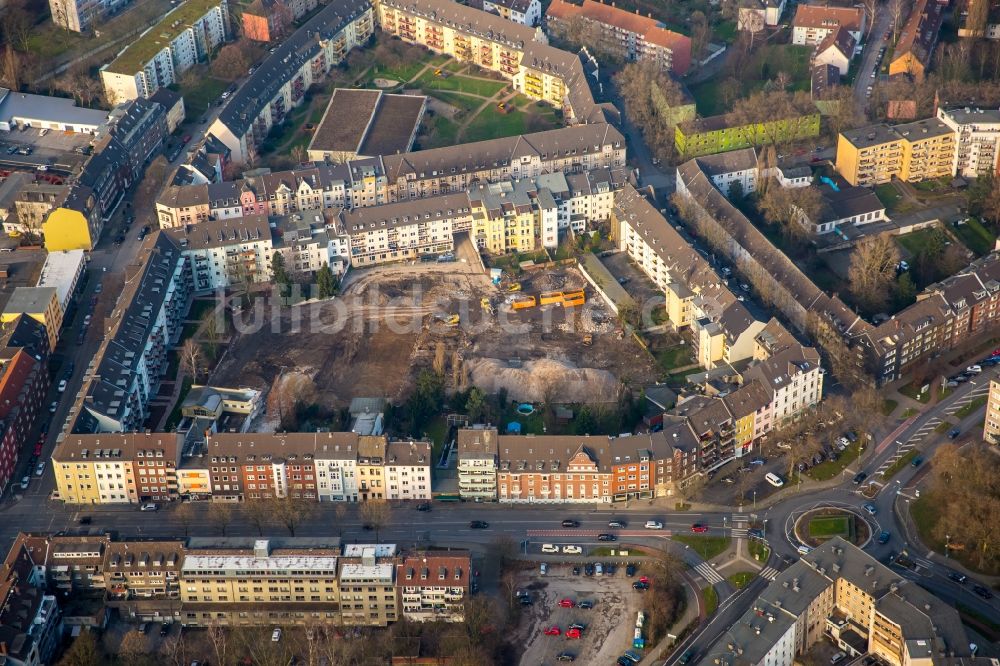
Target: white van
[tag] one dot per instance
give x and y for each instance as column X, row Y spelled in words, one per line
column 804, row 550
column 774, row 479
column 550, row 548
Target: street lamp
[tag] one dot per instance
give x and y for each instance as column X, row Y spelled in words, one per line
column 947, row 542
column 754, row 499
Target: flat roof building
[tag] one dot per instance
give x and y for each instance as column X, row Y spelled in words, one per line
column 366, row 123
column 25, row 110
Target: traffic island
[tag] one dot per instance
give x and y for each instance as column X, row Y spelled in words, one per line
column 817, row 526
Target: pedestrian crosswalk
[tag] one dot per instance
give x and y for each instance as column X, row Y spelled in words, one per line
column 739, row 533
column 770, row 573
column 706, row 571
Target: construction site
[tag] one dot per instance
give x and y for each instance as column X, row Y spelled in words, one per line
column 542, row 334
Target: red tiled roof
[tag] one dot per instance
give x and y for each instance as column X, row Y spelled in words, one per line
column 812, row 16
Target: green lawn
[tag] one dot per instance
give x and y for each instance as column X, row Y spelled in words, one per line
column 175, row 413
column 461, row 102
column 406, row 71
column 741, row 579
column 459, row 83
column 759, row 551
column 711, row 598
column 831, row 468
column 976, row 237
column 916, row 241
column 767, row 61
column 491, row 123
column 674, row 357
column 436, row 132
column 888, row 195
column 829, row 526
column 706, row 546
column 925, row 512
column 971, row 407
column 912, row 390
column 889, row 406
column 900, row 464
column 200, row 95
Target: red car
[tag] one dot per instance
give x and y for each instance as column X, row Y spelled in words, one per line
column 38, row 449
column 553, row 631
column 699, row 528
column 567, row 603
column 643, row 579
column 573, row 633
column 187, row 137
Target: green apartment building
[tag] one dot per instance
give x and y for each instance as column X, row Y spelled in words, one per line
column 719, row 134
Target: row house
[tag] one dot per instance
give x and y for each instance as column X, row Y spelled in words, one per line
column 696, row 297
column 307, row 243
column 477, row 463
column 117, row 468
column 24, row 383
column 241, row 582
column 629, row 35
column 281, row 81
column 132, row 358
column 30, row 621
column 591, row 469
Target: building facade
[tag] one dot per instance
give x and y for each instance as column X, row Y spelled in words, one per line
column 915, row 151
column 718, row 134
column 977, row 140
column 991, row 428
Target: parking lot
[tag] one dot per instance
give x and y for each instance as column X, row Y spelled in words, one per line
column 607, row 627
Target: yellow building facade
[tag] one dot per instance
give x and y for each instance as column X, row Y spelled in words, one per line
column 39, row 303
column 913, row 152
column 70, row 229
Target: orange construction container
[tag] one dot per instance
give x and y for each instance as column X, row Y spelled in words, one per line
column 550, row 297
column 571, row 298
column 525, row 302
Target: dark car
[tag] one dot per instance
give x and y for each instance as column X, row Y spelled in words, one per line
column 570, row 523
column 958, row 578
column 883, row 538
column 630, row 570
column 624, row 661
column 164, row 628
column 576, row 571
column 982, row 591
column 588, row 569
column 565, row 656
column 687, row 657
column 85, row 520
column 859, row 477
column 610, row 569
column 953, row 433
column 755, row 533
column 424, row 506
column 526, row 600
column 606, row 537
column 585, row 605
column 639, row 585
column 917, row 461
column 478, row 525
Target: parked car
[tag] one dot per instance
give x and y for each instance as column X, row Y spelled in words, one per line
column 567, row 603
column 276, row 635
column 85, row 520
column 585, row 605
column 572, row 550
column 565, row 656
column 630, row 570
column 553, row 631
column 149, row 507
column 573, row 633
column 654, row 525
column 53, row 407
column 974, row 369
column 424, row 506
column 550, row 548
column 164, row 629
column 62, row 385
column 640, row 586
column 39, row 469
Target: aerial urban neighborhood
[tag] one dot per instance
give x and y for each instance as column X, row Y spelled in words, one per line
column 499, row 332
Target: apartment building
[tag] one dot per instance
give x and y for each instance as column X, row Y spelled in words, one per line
column 407, row 470
column 917, row 40
column 913, row 152
column 142, row 570
column 991, row 428
column 117, row 468
column 132, row 358
column 263, row 585
column 477, row 463
column 24, row 383
column 367, row 585
column 510, row 216
column 186, row 36
column 838, row 592
column 696, row 297
column 524, row 12
column 270, row 20
column 282, row 80
column 307, row 242
column 224, row 252
column 755, row 15
column 73, row 565
column 433, row 586
column 30, row 622
column 718, row 134
column 84, row 15
column 836, row 49
column 594, row 469
column 793, row 380
column 41, row 304
column 629, row 35
column 814, row 23
column 977, row 140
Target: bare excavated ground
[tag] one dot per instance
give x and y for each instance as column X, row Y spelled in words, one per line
column 388, row 324
column 609, row 625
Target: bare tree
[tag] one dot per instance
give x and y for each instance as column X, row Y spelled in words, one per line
column 873, row 269
column 175, row 650
column 897, row 9
column 376, row 513
column 221, row 515
column 184, row 514
column 132, row 648
column 292, row 511
column 230, row 63
column 191, row 357
column 259, row 512
column 340, row 511
column 298, row 154
column 218, row 636
column 11, row 70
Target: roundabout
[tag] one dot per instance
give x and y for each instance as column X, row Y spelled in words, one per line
column 813, row 525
